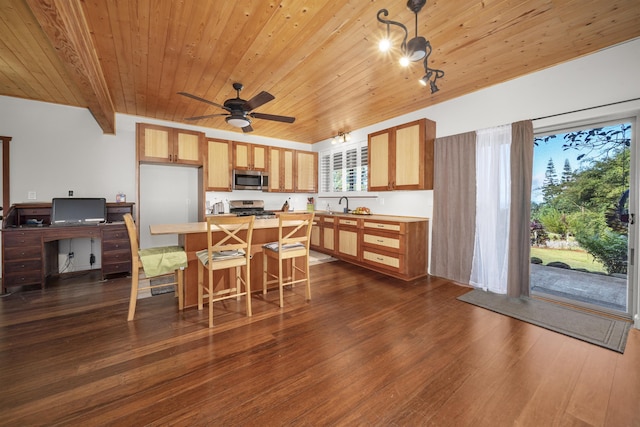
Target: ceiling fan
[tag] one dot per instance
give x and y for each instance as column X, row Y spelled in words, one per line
column 239, row 111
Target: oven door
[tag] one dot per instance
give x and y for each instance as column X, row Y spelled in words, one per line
column 247, row 180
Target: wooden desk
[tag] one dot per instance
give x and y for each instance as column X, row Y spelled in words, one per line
column 30, row 253
column 193, row 237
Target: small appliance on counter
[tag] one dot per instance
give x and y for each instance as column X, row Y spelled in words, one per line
column 250, row 207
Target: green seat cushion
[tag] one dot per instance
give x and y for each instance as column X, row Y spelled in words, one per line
column 162, row 260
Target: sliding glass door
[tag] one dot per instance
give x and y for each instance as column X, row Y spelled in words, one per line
column 581, row 225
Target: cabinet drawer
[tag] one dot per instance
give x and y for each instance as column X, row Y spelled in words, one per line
column 25, row 278
column 23, row 267
column 328, row 220
column 385, row 241
column 382, row 226
column 120, row 267
column 353, row 222
column 21, row 238
column 20, row 253
column 382, row 260
column 115, row 245
column 119, row 233
column 120, row 256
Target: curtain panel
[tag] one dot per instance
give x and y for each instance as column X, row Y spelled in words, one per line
column 519, row 233
column 454, row 210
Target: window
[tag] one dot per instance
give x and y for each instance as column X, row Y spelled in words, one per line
column 344, row 168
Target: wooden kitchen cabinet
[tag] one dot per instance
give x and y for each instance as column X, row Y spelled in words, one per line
column 250, row 156
column 281, row 170
column 348, row 238
column 323, row 234
column 161, row 144
column 399, row 248
column 396, row 246
column 401, row 158
column 306, row 172
column 218, row 165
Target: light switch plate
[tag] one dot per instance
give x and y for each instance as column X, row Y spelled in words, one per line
column 31, row 195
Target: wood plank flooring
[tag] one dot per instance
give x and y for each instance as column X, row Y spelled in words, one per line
column 367, row 350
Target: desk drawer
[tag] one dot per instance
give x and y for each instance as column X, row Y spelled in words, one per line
column 21, row 238
column 23, row 267
column 19, row 279
column 23, row 252
column 115, row 245
column 110, row 257
column 115, row 233
column 120, row 267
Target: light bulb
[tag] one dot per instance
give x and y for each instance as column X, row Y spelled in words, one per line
column 404, row 61
column 384, row 45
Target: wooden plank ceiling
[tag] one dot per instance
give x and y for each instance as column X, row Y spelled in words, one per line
column 318, row 58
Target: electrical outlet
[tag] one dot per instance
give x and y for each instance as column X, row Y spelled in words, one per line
column 31, row 195
column 70, row 193
column 71, row 255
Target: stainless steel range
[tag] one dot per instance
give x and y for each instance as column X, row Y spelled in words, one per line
column 250, row 207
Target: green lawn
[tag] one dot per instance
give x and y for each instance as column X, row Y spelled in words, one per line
column 575, row 258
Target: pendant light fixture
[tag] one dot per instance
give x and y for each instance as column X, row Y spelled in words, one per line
column 416, row 49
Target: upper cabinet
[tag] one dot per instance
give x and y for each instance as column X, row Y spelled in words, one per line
column 218, row 170
column 306, row 172
column 281, row 170
column 401, row 158
column 161, row 144
column 250, row 156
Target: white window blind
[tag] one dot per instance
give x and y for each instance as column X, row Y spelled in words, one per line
column 344, row 168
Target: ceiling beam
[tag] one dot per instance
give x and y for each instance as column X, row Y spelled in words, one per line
column 64, row 23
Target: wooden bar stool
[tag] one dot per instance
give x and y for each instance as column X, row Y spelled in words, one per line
column 156, row 262
column 228, row 246
column 294, row 244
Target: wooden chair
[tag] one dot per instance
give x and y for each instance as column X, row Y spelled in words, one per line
column 226, row 248
column 292, row 245
column 165, row 260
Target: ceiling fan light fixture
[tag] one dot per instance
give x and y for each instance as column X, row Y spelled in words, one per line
column 238, row 121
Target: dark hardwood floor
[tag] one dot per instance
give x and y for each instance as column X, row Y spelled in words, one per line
column 367, row 350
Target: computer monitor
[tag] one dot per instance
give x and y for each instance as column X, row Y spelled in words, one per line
column 70, row 211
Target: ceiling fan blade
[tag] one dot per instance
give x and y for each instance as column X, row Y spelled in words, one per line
column 197, row 98
column 273, row 117
column 247, row 128
column 206, row 117
column 258, row 100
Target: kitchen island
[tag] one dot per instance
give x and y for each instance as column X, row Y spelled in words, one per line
column 193, row 238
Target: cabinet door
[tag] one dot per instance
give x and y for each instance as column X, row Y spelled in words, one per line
column 306, row 172
column 218, row 165
column 259, row 158
column 379, row 171
column 154, row 143
column 409, row 157
column 275, row 161
column 315, row 237
column 187, row 147
column 287, row 174
column 241, row 156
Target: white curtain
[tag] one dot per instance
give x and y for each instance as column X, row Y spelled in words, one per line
column 493, row 200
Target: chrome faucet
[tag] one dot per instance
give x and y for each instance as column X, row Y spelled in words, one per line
column 346, row 210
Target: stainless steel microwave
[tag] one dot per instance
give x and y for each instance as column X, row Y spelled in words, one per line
column 250, row 180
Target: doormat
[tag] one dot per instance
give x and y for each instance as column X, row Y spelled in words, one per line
column 590, row 327
column 319, row 258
